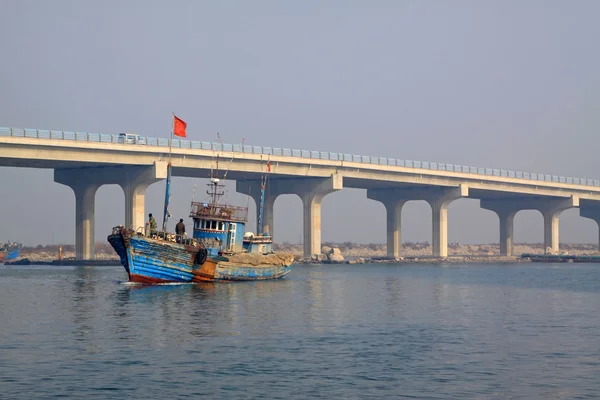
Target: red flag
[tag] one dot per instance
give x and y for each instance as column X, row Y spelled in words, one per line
column 269, row 166
column 179, row 126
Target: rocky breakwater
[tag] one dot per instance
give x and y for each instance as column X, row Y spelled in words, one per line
column 354, row 253
column 329, row 255
column 52, row 253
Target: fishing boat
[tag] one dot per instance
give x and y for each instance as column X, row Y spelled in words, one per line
column 10, row 251
column 587, row 259
column 220, row 249
column 547, row 258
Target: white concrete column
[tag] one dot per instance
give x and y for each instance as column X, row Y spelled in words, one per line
column 549, row 207
column 85, row 182
column 439, row 217
column 84, row 221
column 311, row 204
column 393, row 211
column 439, row 199
column 506, row 211
column 439, row 228
column 393, row 204
column 85, row 193
column 268, row 215
column 551, row 230
column 252, row 189
column 551, row 211
column 134, row 181
column 506, row 232
column 135, row 198
column 310, row 190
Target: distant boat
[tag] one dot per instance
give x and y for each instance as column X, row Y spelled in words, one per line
column 10, row 251
column 548, row 258
column 586, row 259
column 219, row 250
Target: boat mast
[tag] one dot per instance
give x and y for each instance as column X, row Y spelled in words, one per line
column 263, row 184
column 167, row 198
column 215, row 193
column 262, row 207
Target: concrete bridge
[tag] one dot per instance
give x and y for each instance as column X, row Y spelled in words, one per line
column 85, row 161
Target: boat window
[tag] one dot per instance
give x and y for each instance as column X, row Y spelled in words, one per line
column 221, row 225
column 214, row 225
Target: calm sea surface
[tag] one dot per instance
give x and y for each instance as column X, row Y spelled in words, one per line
column 528, row 331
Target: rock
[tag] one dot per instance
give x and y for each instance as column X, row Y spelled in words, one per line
column 325, row 249
column 335, row 258
column 319, row 257
column 335, row 251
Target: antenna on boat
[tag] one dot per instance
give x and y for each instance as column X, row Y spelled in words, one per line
column 232, row 157
column 263, row 185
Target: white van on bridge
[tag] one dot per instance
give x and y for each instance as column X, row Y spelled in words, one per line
column 131, row 138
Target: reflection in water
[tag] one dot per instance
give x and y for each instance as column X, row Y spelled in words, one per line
column 394, row 299
column 83, row 303
column 328, row 331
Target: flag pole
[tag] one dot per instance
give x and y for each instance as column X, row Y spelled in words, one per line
column 171, row 140
column 168, row 185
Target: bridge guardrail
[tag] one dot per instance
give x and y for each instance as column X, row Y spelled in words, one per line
column 322, row 155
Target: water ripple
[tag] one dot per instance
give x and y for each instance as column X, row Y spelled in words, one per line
column 371, row 331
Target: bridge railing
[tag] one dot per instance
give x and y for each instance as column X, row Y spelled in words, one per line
column 321, row 155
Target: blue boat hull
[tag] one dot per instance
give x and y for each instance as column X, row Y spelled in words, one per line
column 152, row 261
column 13, row 254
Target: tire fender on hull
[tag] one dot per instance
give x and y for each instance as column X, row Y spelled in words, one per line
column 201, row 256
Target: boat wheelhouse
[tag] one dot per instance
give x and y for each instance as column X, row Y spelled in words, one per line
column 221, row 228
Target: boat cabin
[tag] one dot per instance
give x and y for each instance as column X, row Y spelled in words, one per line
column 258, row 244
column 221, row 228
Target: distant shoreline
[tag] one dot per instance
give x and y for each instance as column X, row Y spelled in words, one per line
column 410, row 252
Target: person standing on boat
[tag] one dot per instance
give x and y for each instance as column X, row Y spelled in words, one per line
column 180, row 230
column 152, row 224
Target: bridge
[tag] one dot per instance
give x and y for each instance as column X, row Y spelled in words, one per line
column 86, row 161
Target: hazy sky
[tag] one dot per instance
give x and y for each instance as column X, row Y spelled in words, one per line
column 497, row 84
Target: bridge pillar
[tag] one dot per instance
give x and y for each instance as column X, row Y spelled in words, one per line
column 438, row 198
column 85, row 193
column 310, row 190
column 85, row 182
column 551, row 230
column 506, row 212
column 551, row 208
column 252, row 189
column 439, row 218
column 592, row 213
column 134, row 181
column 393, row 211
